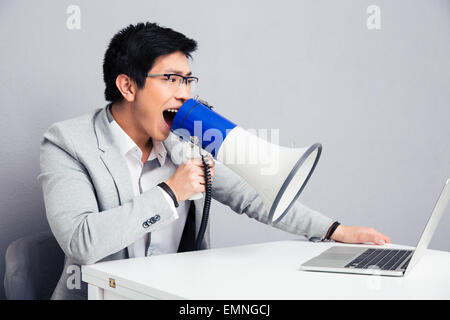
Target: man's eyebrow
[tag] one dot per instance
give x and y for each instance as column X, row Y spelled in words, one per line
column 178, row 72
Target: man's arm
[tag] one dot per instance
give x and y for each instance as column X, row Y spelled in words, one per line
column 84, row 233
column 355, row 234
column 230, row 189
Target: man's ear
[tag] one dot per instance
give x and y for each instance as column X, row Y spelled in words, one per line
column 127, row 87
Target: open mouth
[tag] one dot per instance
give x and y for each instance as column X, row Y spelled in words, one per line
column 169, row 115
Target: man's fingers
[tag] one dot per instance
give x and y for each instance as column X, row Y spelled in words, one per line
column 355, row 234
column 195, row 161
column 199, row 162
column 372, row 235
column 382, row 239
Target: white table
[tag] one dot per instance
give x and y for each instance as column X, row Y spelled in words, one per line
column 260, row 271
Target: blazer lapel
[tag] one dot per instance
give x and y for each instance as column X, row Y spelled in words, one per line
column 117, row 167
column 113, row 159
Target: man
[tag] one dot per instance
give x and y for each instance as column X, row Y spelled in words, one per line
column 101, row 172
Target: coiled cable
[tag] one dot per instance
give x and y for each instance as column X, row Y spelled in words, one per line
column 207, row 204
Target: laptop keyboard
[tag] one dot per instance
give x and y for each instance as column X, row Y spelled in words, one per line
column 384, row 259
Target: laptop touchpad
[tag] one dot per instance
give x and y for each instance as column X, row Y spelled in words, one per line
column 337, row 256
column 344, row 254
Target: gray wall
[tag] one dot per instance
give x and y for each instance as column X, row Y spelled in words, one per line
column 378, row 100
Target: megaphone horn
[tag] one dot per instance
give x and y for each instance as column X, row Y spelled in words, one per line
column 278, row 174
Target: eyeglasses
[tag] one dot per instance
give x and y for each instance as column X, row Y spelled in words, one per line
column 174, row 81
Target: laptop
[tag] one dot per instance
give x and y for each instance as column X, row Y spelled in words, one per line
column 379, row 261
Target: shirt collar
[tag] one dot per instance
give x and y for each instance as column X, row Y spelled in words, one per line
column 126, row 144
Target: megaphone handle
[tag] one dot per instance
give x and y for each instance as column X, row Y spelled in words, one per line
column 194, row 142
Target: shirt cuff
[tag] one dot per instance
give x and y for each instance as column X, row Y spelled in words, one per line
column 170, row 201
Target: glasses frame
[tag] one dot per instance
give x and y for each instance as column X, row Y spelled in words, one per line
column 168, row 75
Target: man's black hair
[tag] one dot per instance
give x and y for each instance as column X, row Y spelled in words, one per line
column 133, row 50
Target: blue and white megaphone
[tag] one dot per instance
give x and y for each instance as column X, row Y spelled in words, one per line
column 278, row 174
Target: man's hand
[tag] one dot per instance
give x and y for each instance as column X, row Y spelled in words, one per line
column 189, row 178
column 353, row 234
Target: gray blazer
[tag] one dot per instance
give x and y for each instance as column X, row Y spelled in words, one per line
column 94, row 215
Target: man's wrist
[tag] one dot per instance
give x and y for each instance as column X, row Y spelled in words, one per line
column 169, row 191
column 331, row 231
column 338, row 234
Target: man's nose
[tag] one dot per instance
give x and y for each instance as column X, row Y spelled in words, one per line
column 183, row 93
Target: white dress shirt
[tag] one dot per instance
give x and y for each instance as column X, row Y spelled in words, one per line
column 158, row 168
